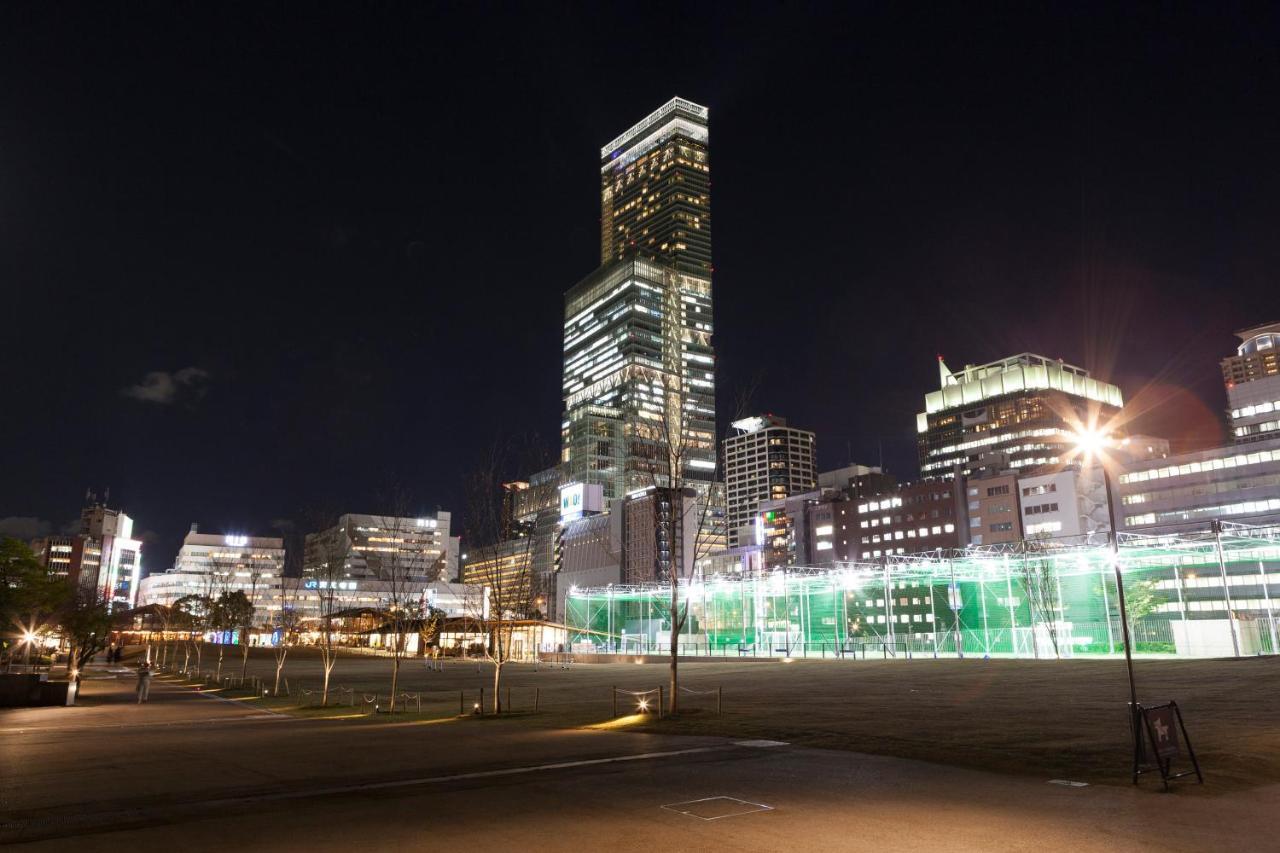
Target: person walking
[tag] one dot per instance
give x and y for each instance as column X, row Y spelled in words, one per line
column 144, row 682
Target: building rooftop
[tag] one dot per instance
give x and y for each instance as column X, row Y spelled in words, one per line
column 1025, row 371
column 690, row 117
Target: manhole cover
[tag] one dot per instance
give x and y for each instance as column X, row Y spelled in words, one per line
column 714, row 808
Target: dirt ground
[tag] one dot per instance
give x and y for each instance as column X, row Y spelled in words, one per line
column 1052, row 719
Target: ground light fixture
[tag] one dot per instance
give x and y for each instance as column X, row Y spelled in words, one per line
column 643, row 705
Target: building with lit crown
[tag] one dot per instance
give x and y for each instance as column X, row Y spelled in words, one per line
column 638, row 358
column 1026, row 408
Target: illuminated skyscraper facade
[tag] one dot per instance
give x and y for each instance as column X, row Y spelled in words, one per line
column 638, row 360
column 655, row 190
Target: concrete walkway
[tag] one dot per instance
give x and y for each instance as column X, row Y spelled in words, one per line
column 186, row 772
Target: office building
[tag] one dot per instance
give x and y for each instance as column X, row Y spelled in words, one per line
column 1187, row 491
column 506, row 569
column 764, row 460
column 638, row 364
column 1252, row 378
column 209, row 565
column 857, row 481
column 376, row 547
column 655, row 190
column 102, row 559
column 1025, row 408
column 916, row 517
column 1257, row 357
column 639, row 367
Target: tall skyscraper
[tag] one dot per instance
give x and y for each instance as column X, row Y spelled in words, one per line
column 655, row 182
column 1023, row 410
column 638, row 360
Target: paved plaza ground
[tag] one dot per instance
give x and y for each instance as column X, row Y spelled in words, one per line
column 1041, row 718
column 195, row 772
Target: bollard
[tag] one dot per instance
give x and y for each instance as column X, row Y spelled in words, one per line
column 660, row 702
column 537, row 694
column 461, row 704
column 615, row 700
column 481, row 700
column 719, row 699
column 508, row 706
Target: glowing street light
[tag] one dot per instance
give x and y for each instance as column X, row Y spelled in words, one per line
column 1092, row 442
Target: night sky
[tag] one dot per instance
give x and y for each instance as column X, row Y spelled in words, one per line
column 271, row 257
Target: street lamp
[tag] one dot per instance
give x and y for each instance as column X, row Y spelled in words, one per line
column 1091, row 442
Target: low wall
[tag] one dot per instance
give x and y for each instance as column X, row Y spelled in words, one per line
column 25, row 691
column 558, row 657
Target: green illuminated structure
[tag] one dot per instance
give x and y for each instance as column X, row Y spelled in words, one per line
column 1194, row 595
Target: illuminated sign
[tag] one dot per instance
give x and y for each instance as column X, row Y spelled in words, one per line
column 314, row 584
column 571, row 501
column 577, row 499
column 236, row 541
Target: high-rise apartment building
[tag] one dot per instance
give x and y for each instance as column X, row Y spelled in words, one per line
column 1024, row 409
column 638, row 362
column 764, row 460
column 1252, row 377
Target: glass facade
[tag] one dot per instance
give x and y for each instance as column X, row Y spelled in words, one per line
column 638, row 362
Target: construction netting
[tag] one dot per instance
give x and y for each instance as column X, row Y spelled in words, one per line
column 1196, row 595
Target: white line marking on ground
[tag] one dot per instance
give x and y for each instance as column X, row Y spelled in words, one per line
column 693, row 812
column 458, row 777
column 1067, row 783
column 760, row 744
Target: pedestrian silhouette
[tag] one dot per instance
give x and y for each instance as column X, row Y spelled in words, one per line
column 144, row 682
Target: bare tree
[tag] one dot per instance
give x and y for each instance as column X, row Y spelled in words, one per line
column 256, row 573
column 394, row 565
column 218, row 583
column 499, row 557
column 327, row 548
column 667, row 441
column 192, row 611
column 286, row 622
column 1040, row 585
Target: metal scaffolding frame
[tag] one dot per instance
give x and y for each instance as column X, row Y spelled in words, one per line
column 1189, row 594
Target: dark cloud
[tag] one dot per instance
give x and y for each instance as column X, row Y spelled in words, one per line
column 24, row 527
column 163, row 388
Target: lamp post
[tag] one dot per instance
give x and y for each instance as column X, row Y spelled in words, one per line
column 1089, row 442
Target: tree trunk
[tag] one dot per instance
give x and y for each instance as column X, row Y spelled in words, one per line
column 497, row 685
column 673, row 703
column 221, row 648
column 280, row 669
column 328, row 668
column 199, row 657
column 395, row 672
